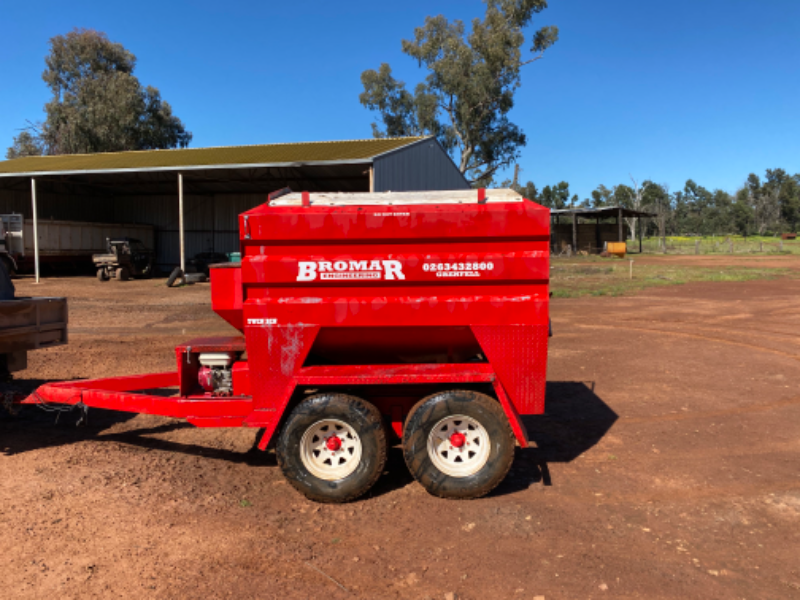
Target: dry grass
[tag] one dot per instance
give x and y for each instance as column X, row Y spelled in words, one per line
column 594, row 276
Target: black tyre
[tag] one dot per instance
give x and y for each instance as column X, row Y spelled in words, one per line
column 458, row 444
column 123, row 274
column 332, row 447
column 195, row 278
column 174, row 276
column 12, row 272
column 102, row 275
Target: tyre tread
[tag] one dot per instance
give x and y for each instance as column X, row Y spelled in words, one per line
column 495, row 407
column 380, row 459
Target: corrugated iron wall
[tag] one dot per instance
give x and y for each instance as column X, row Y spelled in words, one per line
column 211, row 221
column 420, row 167
column 57, row 204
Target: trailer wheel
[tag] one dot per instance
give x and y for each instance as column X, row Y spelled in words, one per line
column 458, row 444
column 102, row 275
column 123, row 274
column 9, row 264
column 332, row 448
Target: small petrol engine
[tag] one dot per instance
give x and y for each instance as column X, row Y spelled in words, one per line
column 215, row 375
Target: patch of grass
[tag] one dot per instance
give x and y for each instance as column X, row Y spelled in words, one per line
column 721, row 244
column 594, row 276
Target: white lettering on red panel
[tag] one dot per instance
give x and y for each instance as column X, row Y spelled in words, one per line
column 350, row 270
column 460, row 269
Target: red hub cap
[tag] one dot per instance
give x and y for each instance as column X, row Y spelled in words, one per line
column 458, row 440
column 333, row 443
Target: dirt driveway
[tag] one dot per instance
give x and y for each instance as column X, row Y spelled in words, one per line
column 667, row 466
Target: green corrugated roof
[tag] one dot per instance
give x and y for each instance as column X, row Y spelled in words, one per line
column 305, row 152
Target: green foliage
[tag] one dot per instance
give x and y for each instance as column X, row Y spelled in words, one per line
column 98, row 105
column 25, row 144
column 757, row 209
column 529, row 191
column 786, row 190
column 619, row 195
column 468, row 92
column 557, row 196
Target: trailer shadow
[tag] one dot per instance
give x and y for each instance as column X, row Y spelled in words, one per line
column 575, row 420
column 38, row 430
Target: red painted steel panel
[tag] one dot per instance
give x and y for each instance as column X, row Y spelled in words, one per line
column 274, row 356
column 421, row 265
column 394, row 374
column 408, row 222
column 117, row 393
column 517, row 426
column 519, row 357
column 226, row 293
column 241, row 379
column 231, row 343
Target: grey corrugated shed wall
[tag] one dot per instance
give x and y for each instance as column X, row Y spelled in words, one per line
column 211, row 221
column 57, row 204
column 419, row 167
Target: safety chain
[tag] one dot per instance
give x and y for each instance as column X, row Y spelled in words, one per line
column 13, row 407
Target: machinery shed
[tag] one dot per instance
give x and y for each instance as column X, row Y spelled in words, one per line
column 192, row 197
column 589, row 229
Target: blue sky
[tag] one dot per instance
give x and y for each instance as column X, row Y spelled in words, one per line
column 701, row 89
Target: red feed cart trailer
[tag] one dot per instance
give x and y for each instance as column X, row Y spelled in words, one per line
column 369, row 319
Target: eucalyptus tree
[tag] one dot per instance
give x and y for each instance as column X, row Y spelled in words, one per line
column 98, row 104
column 25, row 144
column 468, row 91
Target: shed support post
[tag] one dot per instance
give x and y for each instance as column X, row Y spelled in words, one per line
column 598, row 240
column 575, row 232
column 619, row 223
column 35, row 230
column 641, row 234
column 372, row 179
column 180, row 223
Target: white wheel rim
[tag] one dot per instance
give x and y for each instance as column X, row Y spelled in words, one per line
column 456, row 461
column 320, row 454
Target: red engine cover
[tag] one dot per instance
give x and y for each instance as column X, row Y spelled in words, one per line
column 205, row 377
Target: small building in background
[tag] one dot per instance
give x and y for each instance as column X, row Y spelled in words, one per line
column 590, row 229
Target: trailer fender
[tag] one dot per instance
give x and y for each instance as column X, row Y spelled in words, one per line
column 517, row 426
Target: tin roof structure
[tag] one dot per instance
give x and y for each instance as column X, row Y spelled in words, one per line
column 602, row 213
column 265, row 155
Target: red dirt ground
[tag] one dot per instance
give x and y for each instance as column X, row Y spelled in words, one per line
column 667, row 466
column 756, row 261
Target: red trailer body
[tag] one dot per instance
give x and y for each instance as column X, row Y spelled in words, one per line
column 390, row 297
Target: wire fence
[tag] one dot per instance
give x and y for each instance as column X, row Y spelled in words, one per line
column 716, row 245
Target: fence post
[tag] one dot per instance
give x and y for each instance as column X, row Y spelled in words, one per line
column 761, row 246
column 697, row 246
column 781, row 245
column 731, row 246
